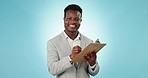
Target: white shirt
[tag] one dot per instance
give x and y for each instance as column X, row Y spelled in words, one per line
column 75, row 42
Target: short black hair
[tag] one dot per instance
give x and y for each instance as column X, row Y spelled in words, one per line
column 72, row 7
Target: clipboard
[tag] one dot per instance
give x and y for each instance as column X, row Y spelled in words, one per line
column 91, row 47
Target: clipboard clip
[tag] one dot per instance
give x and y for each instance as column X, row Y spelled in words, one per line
column 97, row 41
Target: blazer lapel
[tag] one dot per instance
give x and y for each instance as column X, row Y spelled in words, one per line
column 67, row 49
column 65, row 44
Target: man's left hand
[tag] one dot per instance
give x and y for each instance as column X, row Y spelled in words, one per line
column 91, row 58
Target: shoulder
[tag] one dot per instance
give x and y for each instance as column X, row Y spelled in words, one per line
column 86, row 38
column 56, row 39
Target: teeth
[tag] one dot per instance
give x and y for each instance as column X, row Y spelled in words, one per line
column 72, row 25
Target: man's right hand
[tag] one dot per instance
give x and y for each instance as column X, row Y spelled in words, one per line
column 75, row 51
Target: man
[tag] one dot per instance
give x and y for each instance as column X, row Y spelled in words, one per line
column 67, row 45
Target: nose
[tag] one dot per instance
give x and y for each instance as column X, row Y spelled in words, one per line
column 73, row 21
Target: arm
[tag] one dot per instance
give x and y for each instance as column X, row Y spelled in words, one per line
column 94, row 71
column 93, row 67
column 55, row 65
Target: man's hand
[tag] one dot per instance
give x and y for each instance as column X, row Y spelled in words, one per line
column 91, row 58
column 75, row 51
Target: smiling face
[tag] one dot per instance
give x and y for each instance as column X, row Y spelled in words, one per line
column 72, row 21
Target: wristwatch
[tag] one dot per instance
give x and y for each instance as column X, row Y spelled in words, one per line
column 71, row 62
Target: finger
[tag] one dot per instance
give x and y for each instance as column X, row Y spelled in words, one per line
column 80, row 49
column 93, row 53
column 77, row 50
column 92, row 56
column 86, row 57
column 89, row 54
column 76, row 46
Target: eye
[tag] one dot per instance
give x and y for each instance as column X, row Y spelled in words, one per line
column 77, row 19
column 72, row 19
column 68, row 19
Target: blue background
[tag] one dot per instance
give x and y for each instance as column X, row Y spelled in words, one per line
column 27, row 25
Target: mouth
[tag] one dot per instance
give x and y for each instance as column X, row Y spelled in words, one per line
column 72, row 26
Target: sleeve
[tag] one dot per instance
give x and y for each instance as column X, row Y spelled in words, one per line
column 95, row 71
column 55, row 65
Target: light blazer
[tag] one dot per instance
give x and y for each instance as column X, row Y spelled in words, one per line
column 58, row 50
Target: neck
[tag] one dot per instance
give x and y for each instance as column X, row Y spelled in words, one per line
column 72, row 35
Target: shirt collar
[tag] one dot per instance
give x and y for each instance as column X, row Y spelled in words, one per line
column 78, row 37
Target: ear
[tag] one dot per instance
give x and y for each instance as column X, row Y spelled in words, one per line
column 81, row 20
column 63, row 19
